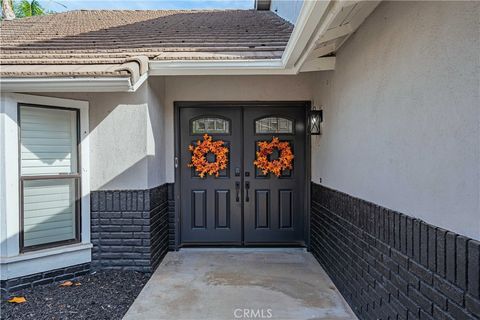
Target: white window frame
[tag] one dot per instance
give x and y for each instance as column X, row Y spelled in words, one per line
column 12, row 262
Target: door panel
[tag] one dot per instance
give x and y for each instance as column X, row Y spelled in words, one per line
column 199, row 208
column 276, row 213
column 210, row 214
column 285, row 208
column 262, row 209
column 222, row 209
column 243, row 206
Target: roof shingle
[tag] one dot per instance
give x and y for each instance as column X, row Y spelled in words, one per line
column 110, row 37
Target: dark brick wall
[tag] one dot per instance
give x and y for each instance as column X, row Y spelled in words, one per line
column 391, row 266
column 46, row 277
column 171, row 216
column 158, row 225
column 129, row 229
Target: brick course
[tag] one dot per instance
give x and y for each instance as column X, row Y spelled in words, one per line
column 171, row 217
column 33, row 280
column 130, row 229
column 391, row 266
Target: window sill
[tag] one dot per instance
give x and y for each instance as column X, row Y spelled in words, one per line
column 46, row 252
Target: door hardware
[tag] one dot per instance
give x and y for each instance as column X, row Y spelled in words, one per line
column 176, row 162
column 247, row 173
column 237, row 172
column 247, row 186
column 237, row 190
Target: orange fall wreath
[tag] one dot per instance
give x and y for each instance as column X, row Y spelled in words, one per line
column 199, row 156
column 275, row 166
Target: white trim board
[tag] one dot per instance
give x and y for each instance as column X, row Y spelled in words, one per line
column 9, row 170
column 45, row 260
column 69, row 84
column 234, row 67
column 308, row 20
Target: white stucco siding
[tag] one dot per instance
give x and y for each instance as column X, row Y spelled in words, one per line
column 402, row 114
column 227, row 88
column 287, row 9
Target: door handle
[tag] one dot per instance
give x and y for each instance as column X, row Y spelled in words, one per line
column 237, row 189
column 247, row 186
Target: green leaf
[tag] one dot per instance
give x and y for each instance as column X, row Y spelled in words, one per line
column 26, row 8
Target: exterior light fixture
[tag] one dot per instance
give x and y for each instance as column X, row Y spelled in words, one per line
column 316, row 117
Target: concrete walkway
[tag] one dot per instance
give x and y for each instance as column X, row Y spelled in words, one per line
column 239, row 284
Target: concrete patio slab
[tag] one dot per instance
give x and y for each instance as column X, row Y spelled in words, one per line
column 239, row 284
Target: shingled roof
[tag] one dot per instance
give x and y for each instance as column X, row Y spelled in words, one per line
column 70, row 43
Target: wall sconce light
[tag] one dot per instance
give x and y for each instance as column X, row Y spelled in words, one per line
column 316, row 117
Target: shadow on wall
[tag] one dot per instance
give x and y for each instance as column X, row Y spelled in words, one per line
column 118, row 141
column 126, row 137
column 130, row 176
column 125, row 142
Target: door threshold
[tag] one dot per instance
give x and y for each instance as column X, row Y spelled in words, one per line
column 243, row 249
column 245, row 245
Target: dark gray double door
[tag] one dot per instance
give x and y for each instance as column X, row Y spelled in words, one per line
column 242, row 206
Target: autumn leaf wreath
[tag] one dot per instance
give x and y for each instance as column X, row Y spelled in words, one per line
column 199, row 156
column 266, row 148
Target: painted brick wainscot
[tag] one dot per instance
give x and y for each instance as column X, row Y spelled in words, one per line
column 130, row 229
column 388, row 265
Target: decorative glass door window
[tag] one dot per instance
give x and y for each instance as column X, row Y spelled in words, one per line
column 274, row 125
column 210, row 125
column 49, row 176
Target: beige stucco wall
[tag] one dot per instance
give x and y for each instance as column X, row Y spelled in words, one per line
column 402, row 113
column 227, row 88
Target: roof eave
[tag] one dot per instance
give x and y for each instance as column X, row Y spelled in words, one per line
column 312, row 16
column 304, row 34
column 309, row 21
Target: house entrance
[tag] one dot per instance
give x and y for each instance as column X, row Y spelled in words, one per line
column 243, row 204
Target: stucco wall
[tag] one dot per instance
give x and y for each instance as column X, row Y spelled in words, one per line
column 402, row 111
column 126, row 132
column 156, row 132
column 227, row 88
column 132, row 134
